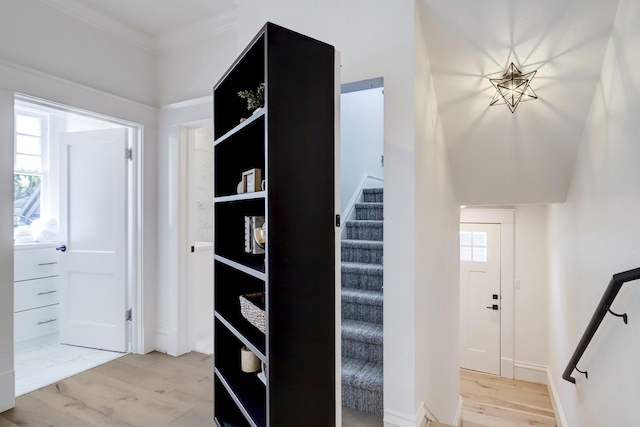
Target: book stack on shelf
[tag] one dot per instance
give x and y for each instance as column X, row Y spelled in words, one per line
column 274, row 235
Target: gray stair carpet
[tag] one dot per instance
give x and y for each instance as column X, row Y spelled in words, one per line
column 362, row 337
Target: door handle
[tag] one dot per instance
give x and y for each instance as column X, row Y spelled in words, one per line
column 493, row 307
column 62, row 248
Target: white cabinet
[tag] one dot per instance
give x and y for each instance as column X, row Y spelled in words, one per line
column 35, row 293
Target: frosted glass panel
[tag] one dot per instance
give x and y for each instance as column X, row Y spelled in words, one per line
column 480, row 238
column 480, row 254
column 28, row 145
column 465, row 238
column 28, row 125
column 465, row 253
column 204, row 185
column 28, row 163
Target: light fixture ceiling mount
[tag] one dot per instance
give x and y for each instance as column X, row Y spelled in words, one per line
column 513, row 87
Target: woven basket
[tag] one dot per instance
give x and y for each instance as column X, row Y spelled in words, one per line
column 252, row 309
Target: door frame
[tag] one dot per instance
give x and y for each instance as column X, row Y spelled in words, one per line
column 183, row 133
column 134, row 224
column 504, row 218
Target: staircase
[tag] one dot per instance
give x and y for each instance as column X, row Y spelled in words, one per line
column 362, row 376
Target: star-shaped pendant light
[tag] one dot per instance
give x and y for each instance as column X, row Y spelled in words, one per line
column 513, row 87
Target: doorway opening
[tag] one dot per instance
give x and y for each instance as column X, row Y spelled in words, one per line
column 76, row 243
column 486, row 290
column 196, row 237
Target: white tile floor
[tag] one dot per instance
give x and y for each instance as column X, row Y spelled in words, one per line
column 40, row 366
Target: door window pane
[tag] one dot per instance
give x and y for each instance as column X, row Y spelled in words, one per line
column 465, row 253
column 480, row 254
column 465, row 238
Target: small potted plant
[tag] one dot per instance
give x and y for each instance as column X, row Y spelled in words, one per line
column 255, row 100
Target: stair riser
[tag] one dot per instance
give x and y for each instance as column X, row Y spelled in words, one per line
column 362, row 400
column 362, row 312
column 364, row 232
column 370, row 255
column 361, row 281
column 369, row 213
column 373, row 197
column 362, row 350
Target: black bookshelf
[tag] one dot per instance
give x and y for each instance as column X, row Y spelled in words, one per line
column 291, row 140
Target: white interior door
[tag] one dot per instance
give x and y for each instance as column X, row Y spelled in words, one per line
column 93, row 213
column 480, row 297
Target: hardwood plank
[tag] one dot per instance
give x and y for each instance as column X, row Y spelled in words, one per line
column 492, row 401
column 353, row 418
column 136, row 390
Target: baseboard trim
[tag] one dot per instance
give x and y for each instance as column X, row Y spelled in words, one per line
column 398, row 419
column 530, row 372
column 7, row 390
column 555, row 401
column 506, row 368
column 457, row 421
column 164, row 339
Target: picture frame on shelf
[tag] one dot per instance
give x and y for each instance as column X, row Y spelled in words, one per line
column 249, row 180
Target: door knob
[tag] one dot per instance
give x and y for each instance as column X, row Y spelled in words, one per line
column 493, row 307
column 62, row 248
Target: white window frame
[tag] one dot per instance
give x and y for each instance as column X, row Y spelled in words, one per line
column 45, row 141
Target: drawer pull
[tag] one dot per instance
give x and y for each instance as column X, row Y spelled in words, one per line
column 47, row 263
column 47, row 321
column 48, row 292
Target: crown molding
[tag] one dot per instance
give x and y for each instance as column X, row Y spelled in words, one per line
column 158, row 45
column 195, row 32
column 80, row 11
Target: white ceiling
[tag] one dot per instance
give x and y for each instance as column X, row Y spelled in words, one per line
column 156, row 17
column 526, row 157
column 496, row 157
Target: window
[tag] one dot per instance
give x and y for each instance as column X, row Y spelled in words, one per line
column 30, row 165
column 473, row 246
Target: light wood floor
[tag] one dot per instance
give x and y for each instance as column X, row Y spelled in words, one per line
column 161, row 390
column 150, row 390
column 134, row 391
column 490, row 401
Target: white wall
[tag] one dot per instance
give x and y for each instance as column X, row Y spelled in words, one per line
column 374, row 40
column 7, row 391
column 49, row 55
column 530, row 295
column 437, row 267
column 595, row 234
column 361, row 140
column 39, row 36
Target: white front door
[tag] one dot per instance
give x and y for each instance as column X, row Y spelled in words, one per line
column 480, row 297
column 93, row 220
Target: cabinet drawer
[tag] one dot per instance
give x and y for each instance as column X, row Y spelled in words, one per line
column 34, row 264
column 36, row 323
column 35, row 293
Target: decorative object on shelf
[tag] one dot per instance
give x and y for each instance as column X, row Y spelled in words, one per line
column 249, row 180
column 513, row 87
column 263, row 185
column 260, row 236
column 249, row 362
column 239, row 188
column 252, row 223
column 252, row 309
column 255, row 100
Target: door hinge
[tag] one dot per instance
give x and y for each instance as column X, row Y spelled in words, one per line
column 127, row 315
column 129, row 153
column 338, row 220
column 382, row 161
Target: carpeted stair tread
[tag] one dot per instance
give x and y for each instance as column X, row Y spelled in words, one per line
column 363, row 251
column 369, row 211
column 373, row 195
column 364, row 375
column 365, row 230
column 358, row 275
column 355, row 330
column 359, row 296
